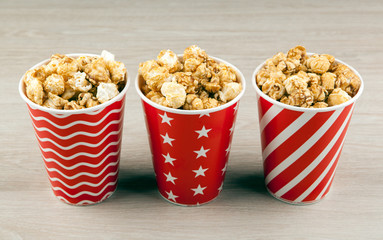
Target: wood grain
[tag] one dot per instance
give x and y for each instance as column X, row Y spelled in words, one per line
column 242, row 32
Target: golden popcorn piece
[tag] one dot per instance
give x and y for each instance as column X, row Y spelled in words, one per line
column 84, row 61
column 87, row 100
column 318, row 64
column 299, row 98
column 54, row 101
column 35, row 91
column 186, row 79
column 174, row 93
column 51, row 67
column 226, row 74
column 106, row 91
column 298, row 53
column 294, row 83
column 319, row 105
column 69, row 92
column 193, row 102
column 337, row 96
column 318, row 92
column 97, row 70
column 274, row 85
column 347, row 80
column 54, row 84
column 230, row 91
column 72, row 105
column 157, row 97
column 169, row 60
column 328, row 80
column 67, row 67
column 38, row 74
column 195, row 52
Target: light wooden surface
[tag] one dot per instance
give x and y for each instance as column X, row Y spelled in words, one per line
column 244, row 33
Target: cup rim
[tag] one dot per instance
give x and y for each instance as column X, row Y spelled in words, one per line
column 196, row 112
column 77, row 111
column 301, row 109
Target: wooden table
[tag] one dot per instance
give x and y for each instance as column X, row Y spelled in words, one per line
column 244, row 33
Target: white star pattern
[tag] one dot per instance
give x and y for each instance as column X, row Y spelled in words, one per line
column 200, row 172
column 171, row 196
column 167, row 139
column 224, row 169
column 232, row 128
column 166, row 119
column 202, row 152
column 170, row 178
column 203, row 132
column 204, row 114
column 220, row 187
column 236, row 108
column 198, row 190
column 228, row 149
column 169, row 159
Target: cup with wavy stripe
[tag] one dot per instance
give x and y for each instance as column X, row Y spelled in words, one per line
column 190, row 148
column 301, row 146
column 80, row 148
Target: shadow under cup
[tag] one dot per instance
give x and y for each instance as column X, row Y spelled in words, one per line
column 80, row 148
column 190, row 148
column 301, row 146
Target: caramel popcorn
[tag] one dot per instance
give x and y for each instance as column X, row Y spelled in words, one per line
column 75, row 83
column 315, row 81
column 193, row 82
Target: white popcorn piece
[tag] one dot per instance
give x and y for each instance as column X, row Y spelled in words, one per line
column 175, row 94
column 230, row 91
column 79, row 82
column 106, row 91
column 107, row 56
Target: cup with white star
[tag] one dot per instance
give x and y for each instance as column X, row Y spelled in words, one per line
column 190, row 148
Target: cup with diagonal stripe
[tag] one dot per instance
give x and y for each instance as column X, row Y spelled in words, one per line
column 80, row 148
column 190, row 148
column 301, row 146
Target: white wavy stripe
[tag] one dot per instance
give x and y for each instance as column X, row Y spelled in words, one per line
column 58, row 115
column 76, row 122
column 269, row 115
column 286, row 133
column 108, row 194
column 84, row 183
column 84, row 192
column 81, row 163
column 327, row 185
column 314, row 163
column 82, row 173
column 320, row 178
column 304, row 148
column 41, row 129
column 80, row 153
column 79, row 143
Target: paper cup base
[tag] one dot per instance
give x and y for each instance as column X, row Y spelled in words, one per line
column 188, row 205
column 296, row 203
column 86, row 204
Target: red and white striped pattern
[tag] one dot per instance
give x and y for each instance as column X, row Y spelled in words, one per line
column 300, row 149
column 81, row 151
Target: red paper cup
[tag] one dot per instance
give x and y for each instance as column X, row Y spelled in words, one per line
column 301, row 146
column 190, row 148
column 80, row 148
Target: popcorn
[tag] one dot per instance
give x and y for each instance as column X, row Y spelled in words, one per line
column 54, row 84
column 194, row 82
column 230, row 91
column 106, row 91
column 79, row 83
column 75, row 83
column 338, row 96
column 307, row 81
column 169, row 60
column 174, row 93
